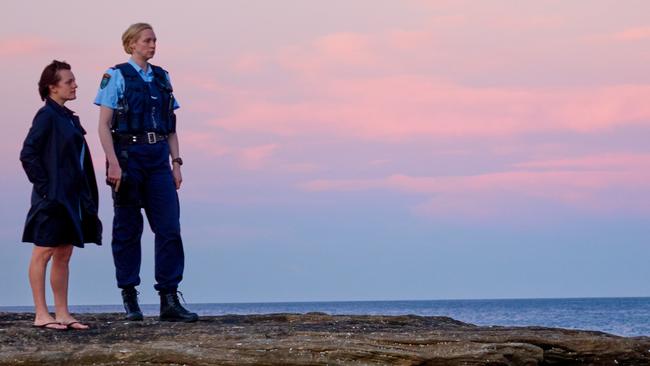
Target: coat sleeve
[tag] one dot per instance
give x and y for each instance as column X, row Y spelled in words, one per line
column 31, row 153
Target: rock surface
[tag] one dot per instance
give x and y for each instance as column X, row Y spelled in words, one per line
column 309, row 339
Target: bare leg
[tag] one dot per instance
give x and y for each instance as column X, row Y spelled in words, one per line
column 59, row 278
column 37, row 266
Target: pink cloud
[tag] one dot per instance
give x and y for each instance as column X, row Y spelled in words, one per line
column 204, row 144
column 200, row 82
column 530, row 22
column 256, row 156
column 536, row 183
column 208, row 146
column 379, row 162
column 605, row 107
column 403, row 107
column 345, row 48
column 322, row 185
column 249, row 63
column 301, row 167
column 407, row 40
column 21, row 46
column 632, row 34
column 386, row 85
column 605, row 184
column 610, row 162
column 327, row 53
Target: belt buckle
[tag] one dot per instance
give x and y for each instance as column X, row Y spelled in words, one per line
column 151, row 137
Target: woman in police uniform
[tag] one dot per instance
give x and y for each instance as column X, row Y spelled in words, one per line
column 137, row 129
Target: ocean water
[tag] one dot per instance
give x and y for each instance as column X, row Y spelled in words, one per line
column 621, row 316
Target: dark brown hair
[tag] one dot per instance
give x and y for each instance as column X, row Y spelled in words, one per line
column 50, row 76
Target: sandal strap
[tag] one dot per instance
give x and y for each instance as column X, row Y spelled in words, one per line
column 75, row 322
column 46, row 324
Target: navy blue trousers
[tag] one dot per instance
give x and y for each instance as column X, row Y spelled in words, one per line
column 147, row 184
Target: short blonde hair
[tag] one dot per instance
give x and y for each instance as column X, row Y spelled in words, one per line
column 132, row 33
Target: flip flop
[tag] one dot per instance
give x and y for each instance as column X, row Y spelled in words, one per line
column 46, row 326
column 69, row 325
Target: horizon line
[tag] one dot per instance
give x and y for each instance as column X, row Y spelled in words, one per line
column 369, row 301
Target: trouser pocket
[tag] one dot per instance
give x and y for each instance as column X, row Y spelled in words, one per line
column 129, row 193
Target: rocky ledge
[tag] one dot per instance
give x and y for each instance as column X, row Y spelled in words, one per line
column 309, row 339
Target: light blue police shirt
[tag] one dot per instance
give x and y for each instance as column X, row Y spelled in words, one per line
column 114, row 90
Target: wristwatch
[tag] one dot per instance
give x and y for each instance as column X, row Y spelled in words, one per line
column 178, row 160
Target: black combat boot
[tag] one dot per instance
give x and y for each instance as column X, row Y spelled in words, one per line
column 130, row 299
column 171, row 309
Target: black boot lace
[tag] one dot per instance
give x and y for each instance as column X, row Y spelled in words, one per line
column 180, row 293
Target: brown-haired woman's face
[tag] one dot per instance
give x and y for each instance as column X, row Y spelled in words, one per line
column 66, row 88
column 145, row 45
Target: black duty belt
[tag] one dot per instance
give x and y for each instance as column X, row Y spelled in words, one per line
column 143, row 138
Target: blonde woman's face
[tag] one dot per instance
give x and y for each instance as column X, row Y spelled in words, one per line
column 145, row 45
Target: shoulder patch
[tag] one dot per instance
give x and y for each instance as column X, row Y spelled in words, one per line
column 105, row 80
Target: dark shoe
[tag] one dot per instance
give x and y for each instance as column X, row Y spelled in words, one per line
column 130, row 299
column 171, row 309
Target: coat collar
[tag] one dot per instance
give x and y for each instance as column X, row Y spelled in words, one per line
column 59, row 108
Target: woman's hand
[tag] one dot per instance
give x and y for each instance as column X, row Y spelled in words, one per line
column 114, row 175
column 178, row 177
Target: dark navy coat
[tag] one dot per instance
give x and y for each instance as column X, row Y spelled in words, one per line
column 51, row 157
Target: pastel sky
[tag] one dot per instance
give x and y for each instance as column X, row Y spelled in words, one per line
column 367, row 149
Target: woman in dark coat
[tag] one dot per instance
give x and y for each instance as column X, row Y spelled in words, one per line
column 64, row 200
